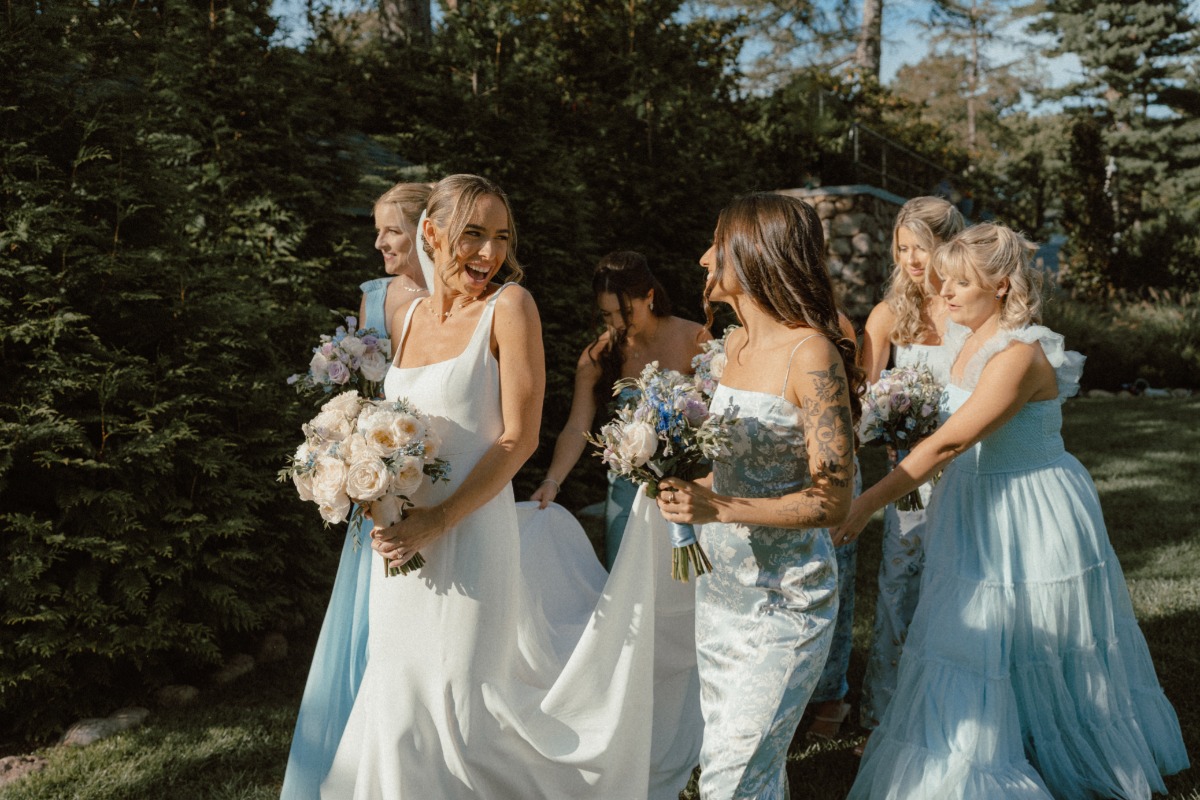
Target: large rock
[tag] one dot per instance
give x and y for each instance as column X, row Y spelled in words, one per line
column 93, row 729
column 15, row 767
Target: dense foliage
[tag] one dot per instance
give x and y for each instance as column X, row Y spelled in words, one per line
column 167, row 197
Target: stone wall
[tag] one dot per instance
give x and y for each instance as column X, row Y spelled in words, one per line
column 858, row 237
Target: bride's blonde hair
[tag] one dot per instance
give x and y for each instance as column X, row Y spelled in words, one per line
column 450, row 205
column 986, row 254
column 932, row 220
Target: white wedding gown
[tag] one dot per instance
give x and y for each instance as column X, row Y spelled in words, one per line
column 511, row 665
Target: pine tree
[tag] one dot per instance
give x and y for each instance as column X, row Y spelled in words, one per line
column 1134, row 57
column 166, row 183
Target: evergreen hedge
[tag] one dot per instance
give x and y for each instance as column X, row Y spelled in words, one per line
column 164, row 194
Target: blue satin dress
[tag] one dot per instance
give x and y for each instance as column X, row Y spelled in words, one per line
column 341, row 654
column 765, row 615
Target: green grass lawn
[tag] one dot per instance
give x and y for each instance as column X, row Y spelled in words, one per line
column 1144, row 455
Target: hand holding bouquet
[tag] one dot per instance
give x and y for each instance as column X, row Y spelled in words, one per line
column 899, row 410
column 668, row 432
column 349, row 359
column 375, row 453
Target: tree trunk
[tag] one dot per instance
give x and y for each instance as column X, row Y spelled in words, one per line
column 870, row 39
column 405, row 21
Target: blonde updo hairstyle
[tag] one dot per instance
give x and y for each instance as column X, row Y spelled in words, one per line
column 932, row 220
column 986, row 254
column 409, row 197
column 451, row 204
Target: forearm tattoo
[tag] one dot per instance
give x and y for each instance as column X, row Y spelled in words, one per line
column 830, row 428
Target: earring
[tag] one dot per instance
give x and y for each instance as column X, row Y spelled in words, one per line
column 999, row 296
column 651, row 305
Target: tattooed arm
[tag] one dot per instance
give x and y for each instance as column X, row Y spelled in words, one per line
column 817, row 385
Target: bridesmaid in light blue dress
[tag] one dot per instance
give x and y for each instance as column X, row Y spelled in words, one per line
column 910, row 325
column 341, row 653
column 765, row 614
column 1025, row 674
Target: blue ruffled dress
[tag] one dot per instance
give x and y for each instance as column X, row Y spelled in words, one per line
column 1025, row 674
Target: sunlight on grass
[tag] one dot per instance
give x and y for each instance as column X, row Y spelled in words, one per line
column 1144, row 456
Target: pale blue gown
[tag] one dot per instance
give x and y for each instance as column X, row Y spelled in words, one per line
column 1025, row 674
column 341, row 653
column 765, row 615
column 900, row 564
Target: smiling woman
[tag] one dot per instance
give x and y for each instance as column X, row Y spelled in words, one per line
column 509, row 664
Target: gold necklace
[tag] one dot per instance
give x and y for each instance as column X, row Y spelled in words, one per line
column 444, row 315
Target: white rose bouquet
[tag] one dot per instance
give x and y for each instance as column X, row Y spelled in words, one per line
column 709, row 364
column 899, row 410
column 375, row 453
column 350, row 358
column 668, row 432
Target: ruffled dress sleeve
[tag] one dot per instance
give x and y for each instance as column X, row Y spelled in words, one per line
column 1068, row 364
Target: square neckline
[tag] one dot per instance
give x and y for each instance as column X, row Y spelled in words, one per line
column 408, row 320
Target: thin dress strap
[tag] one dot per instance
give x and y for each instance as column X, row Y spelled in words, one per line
column 404, row 331
column 788, row 374
column 491, row 305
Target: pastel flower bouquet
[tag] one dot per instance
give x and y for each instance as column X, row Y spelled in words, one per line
column 709, row 364
column 899, row 410
column 667, row 432
column 373, row 453
column 350, row 358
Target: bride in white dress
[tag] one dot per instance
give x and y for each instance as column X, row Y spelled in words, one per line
column 509, row 665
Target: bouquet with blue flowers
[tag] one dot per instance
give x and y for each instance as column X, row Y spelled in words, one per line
column 667, row 432
column 899, row 410
column 348, row 359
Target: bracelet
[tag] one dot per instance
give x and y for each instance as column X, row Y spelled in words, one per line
column 557, row 486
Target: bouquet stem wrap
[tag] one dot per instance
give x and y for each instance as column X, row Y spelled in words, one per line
column 687, row 556
column 911, row 501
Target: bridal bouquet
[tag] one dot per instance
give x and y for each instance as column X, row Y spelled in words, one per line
column 375, row 453
column 351, row 358
column 709, row 364
column 668, row 432
column 899, row 410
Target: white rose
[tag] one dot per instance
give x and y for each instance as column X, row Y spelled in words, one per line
column 332, row 425
column 318, row 367
column 433, row 443
column 335, row 509
column 328, row 479
column 366, row 480
column 303, row 483
column 638, row 443
column 355, row 448
column 408, row 476
column 353, row 345
column 373, row 366
column 387, row 510
column 376, row 430
column 346, row 404
column 716, row 367
column 406, row 428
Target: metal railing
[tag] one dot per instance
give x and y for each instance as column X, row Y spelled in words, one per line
column 878, row 161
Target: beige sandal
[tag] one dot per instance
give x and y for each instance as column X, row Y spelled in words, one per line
column 827, row 726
